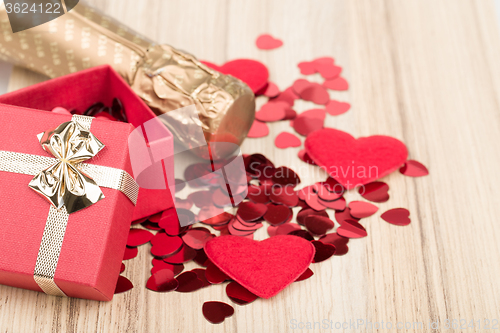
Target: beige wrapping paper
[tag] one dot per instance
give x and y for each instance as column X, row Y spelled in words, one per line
column 165, row 78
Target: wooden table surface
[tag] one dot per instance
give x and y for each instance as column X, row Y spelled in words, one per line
column 426, row 72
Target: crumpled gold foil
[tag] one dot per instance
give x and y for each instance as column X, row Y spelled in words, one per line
column 165, row 78
column 64, row 184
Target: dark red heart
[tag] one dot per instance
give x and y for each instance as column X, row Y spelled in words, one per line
column 215, row 312
column 264, row 268
column 355, row 162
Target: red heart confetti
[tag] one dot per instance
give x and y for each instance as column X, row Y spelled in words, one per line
column 272, row 90
column 185, row 254
column 306, row 275
column 162, row 281
column 414, row 168
column 123, row 284
column 137, row 237
column 277, row 214
column 338, row 83
column 361, row 209
column 214, row 275
column 341, row 216
column 215, row 312
column 304, row 157
column 188, row 282
column 315, row 93
column 336, row 240
column 307, row 67
column 250, row 211
column 130, row 253
column 351, row 229
column 287, row 140
column 258, row 130
column 336, row 108
column 165, row 245
column 318, row 225
column 268, row 42
column 376, row 191
column 323, row 251
column 397, row 216
column 159, row 264
column 239, row 295
column 309, row 121
column 272, row 111
column 196, row 238
column 305, row 212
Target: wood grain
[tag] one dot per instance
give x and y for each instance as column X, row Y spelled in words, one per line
column 423, row 71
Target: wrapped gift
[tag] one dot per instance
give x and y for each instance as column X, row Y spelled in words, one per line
column 67, row 198
column 166, row 78
column 102, row 84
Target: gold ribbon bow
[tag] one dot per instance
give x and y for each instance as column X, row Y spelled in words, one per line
column 63, row 184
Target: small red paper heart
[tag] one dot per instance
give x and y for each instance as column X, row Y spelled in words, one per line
column 338, row 83
column 307, row 67
column 264, row 268
column 309, row 121
column 361, row 209
column 287, row 140
column 268, row 42
column 397, row 216
column 123, row 284
column 351, row 229
column 162, row 281
column 272, row 111
column 376, row 191
column 336, row 108
column 414, row 168
column 258, row 130
column 323, row 251
column 137, row 237
column 355, row 162
column 253, row 73
column 215, row 312
column 272, row 90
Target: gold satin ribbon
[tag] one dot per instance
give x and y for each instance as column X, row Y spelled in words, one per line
column 68, row 184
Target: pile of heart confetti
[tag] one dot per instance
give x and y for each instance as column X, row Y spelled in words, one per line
column 263, row 269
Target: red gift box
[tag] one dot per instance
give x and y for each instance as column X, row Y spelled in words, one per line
column 101, row 84
column 95, row 237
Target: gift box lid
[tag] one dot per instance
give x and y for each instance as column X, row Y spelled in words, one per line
column 95, row 237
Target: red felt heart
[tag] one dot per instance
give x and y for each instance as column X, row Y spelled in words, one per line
column 252, row 72
column 355, row 162
column 264, row 268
